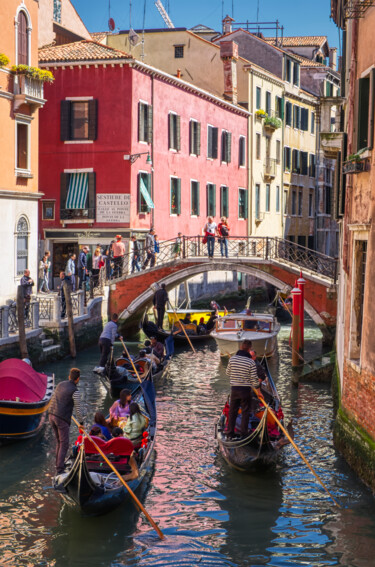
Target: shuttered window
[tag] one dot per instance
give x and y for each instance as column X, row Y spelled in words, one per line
column 78, row 120
column 288, row 70
column 268, row 103
column 174, row 131
column 211, row 199
column 287, row 159
column 294, row 198
column 279, row 107
column 296, row 73
column 145, row 124
column 175, row 196
column 22, row 158
column 77, row 195
column 296, row 116
column 304, row 119
column 258, row 98
column 194, row 198
column 195, row 138
column 242, row 204
column 278, row 152
column 257, row 201
column 312, row 126
column 277, row 199
column 288, row 113
column 226, row 147
column 144, row 183
column 257, row 146
column 363, row 112
column 212, row 142
column 268, row 197
column 242, row 151
column 304, row 163
column 312, row 165
column 296, row 165
column 224, row 201
column 22, row 40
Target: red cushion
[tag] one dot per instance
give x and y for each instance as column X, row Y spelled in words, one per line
column 89, row 447
column 116, row 446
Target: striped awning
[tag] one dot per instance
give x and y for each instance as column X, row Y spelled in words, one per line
column 77, row 192
column 146, row 195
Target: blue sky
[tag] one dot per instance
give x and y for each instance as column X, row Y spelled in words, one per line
column 299, row 17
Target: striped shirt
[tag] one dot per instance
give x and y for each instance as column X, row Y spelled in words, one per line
column 78, row 408
column 242, row 371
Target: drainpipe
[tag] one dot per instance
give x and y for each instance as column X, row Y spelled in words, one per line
column 250, row 157
column 152, row 153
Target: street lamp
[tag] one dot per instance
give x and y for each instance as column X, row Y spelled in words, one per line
column 133, row 157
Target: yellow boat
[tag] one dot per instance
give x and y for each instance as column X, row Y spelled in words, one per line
column 196, row 314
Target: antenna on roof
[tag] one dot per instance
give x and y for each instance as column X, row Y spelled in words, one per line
column 111, row 21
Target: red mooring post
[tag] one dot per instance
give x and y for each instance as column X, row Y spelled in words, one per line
column 296, row 295
column 301, row 282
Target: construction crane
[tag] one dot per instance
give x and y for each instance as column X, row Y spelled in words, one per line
column 164, row 14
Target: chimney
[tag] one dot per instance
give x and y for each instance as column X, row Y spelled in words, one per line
column 333, row 58
column 178, row 74
column 229, row 56
column 227, row 25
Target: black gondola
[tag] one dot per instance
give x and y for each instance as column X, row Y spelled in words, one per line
column 264, row 441
column 90, row 484
column 150, row 330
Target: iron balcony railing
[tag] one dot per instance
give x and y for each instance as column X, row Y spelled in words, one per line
column 69, row 214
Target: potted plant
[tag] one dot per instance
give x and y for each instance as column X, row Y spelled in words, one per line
column 33, row 73
column 260, row 114
column 4, row 60
column 272, row 122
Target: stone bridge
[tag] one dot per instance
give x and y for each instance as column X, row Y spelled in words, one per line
column 273, row 260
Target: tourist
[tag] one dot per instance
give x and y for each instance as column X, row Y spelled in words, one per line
column 47, row 254
column 120, row 409
column 117, row 432
column 201, row 328
column 159, row 302
column 157, row 349
column 209, row 234
column 177, row 246
column 97, row 263
column 65, row 279
column 27, row 285
column 136, row 255
column 100, row 422
column 243, row 375
column 136, row 423
column 70, row 269
column 156, row 247
column 223, row 231
column 65, row 399
column 150, row 250
column 106, row 340
column 97, row 432
column 43, row 267
column 118, row 249
column 108, row 262
column 187, row 319
column 82, row 267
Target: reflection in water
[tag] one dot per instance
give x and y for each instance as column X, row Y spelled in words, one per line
column 211, row 514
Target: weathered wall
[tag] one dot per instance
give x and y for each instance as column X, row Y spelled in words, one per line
column 69, row 20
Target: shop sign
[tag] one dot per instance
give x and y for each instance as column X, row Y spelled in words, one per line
column 113, row 208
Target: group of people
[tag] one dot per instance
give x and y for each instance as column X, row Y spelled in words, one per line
column 221, row 230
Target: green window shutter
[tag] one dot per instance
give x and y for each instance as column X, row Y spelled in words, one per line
column 64, row 184
column 258, row 98
column 214, row 201
column 363, row 112
column 65, row 119
column 178, row 133
column 170, row 130
column 191, row 137
column 139, row 195
column 93, row 119
column 178, row 196
column 198, row 142
column 198, row 199
column 91, row 196
column 246, row 203
column 215, row 137
column 370, row 142
column 149, row 124
column 282, row 105
column 228, row 147
column 140, row 122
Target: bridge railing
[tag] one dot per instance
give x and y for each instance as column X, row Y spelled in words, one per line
column 257, row 247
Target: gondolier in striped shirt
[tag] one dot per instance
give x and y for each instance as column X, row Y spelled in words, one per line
column 243, row 375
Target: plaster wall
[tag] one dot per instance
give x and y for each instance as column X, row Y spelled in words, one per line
column 69, row 20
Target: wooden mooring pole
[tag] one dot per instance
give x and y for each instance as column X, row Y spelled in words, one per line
column 21, row 322
column 296, row 295
column 69, row 313
column 301, row 282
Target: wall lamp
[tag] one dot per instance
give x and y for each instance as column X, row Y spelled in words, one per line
column 133, row 157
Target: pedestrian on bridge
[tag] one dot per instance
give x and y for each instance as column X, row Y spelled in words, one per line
column 223, row 232
column 118, row 249
column 209, row 234
column 136, row 254
column 150, row 249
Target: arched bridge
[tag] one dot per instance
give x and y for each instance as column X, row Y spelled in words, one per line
column 271, row 259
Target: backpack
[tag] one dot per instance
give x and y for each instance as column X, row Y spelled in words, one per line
column 224, row 231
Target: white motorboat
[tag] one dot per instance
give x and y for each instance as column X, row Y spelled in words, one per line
column 260, row 328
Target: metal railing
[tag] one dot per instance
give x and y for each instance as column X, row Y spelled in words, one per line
column 30, row 87
column 9, row 320
column 67, row 214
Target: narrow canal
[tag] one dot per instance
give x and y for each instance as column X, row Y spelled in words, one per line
column 210, row 514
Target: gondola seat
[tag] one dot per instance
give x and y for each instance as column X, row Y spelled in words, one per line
column 117, row 450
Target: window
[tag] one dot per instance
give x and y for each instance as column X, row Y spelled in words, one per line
column 144, row 188
column 242, row 152
column 312, row 126
column 304, row 163
column 268, row 102
column 57, row 11
column 257, row 201
column 300, row 203
column 279, row 107
column 277, row 199
column 294, row 202
column 288, row 70
column 22, row 157
column 312, row 166
column 175, row 196
column 257, row 146
column 77, row 195
column 329, row 88
column 311, row 204
column 48, row 210
column 211, row 199
column 242, row 204
column 296, row 165
column 278, row 152
column 285, row 202
column 301, row 240
column 258, row 98
column 78, row 120
column 296, row 74
column 194, row 198
column 268, row 197
column 310, row 242
column 144, row 122
column 296, row 116
column 195, row 138
column 358, row 297
column 287, row 158
column 22, row 40
column 178, row 51
column 174, row 131
column 327, row 200
column 212, row 142
column 288, row 113
column 226, row 147
column 304, row 119
column 224, row 201
column 365, row 111
column 22, row 245
column 328, row 176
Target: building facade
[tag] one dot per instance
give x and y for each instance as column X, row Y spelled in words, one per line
column 156, row 152
column 21, row 96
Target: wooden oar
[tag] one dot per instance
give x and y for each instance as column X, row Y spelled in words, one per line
column 295, row 446
column 131, row 361
column 183, row 328
column 140, row 506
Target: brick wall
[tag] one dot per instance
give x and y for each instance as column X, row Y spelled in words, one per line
column 358, row 397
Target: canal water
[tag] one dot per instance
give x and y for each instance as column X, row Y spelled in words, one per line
column 211, row 515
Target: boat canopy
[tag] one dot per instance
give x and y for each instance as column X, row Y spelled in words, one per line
column 20, row 382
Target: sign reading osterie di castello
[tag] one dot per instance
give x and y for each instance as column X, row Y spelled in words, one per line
column 112, row 207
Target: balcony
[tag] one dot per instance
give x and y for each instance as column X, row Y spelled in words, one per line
column 331, row 142
column 355, row 9
column 272, row 122
column 77, row 215
column 28, row 91
column 269, row 170
column 354, row 166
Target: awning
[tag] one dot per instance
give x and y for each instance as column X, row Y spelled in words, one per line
column 146, row 195
column 77, row 192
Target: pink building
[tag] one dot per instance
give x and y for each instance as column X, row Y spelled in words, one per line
column 118, row 136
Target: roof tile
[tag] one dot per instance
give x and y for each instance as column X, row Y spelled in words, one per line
column 298, row 41
column 84, row 50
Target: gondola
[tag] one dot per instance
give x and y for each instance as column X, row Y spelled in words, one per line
column 24, row 399
column 150, row 330
column 89, row 484
column 264, row 441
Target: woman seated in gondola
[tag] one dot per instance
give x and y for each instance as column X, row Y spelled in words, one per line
column 97, row 432
column 201, row 328
column 101, row 422
column 120, row 410
column 136, row 423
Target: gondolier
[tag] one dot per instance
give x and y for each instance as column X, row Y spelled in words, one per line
column 65, row 400
column 159, row 301
column 243, row 375
column 106, row 340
